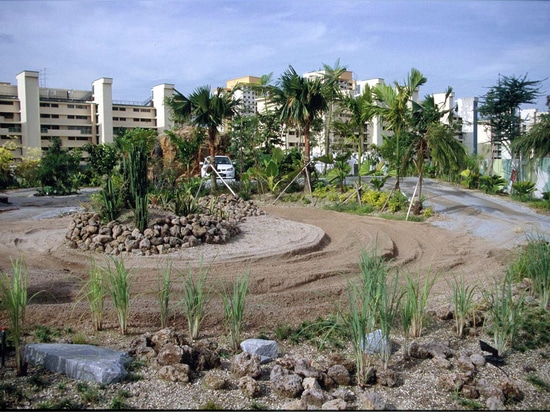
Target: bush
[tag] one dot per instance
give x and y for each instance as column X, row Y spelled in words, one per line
column 523, row 190
column 59, row 170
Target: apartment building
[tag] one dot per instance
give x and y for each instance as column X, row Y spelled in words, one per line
column 31, row 115
column 245, row 93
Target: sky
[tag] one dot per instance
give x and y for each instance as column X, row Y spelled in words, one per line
column 140, row 44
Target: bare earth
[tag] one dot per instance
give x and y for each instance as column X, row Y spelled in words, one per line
column 298, row 258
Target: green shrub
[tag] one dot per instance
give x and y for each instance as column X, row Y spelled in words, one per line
column 59, row 170
column 523, row 190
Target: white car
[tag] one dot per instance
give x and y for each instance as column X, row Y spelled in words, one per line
column 224, row 166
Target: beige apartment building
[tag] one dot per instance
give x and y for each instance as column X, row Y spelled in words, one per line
column 31, row 115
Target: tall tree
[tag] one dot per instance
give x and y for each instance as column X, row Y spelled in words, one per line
column 432, row 140
column 359, row 111
column 535, row 143
column 395, row 109
column 500, row 107
column 299, row 102
column 206, row 109
column 331, row 77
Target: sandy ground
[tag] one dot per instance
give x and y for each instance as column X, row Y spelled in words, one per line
column 298, row 258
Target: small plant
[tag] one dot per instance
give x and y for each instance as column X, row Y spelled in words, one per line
column 233, row 309
column 388, row 309
column 463, row 300
column 110, row 202
column 323, row 332
column 534, row 330
column 95, row 292
column 533, row 263
column 255, row 406
column 119, row 281
column 491, row 184
column 44, row 333
column 165, row 289
column 538, row 382
column 80, row 339
column 13, row 294
column 371, row 303
column 119, row 401
column 211, row 406
column 194, row 300
column 505, row 314
column 88, row 393
column 523, row 190
column 62, row 404
column 413, row 311
column 37, row 382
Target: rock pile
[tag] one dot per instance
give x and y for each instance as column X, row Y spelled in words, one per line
column 217, row 223
column 329, row 383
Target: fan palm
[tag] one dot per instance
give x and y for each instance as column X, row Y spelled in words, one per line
column 299, row 102
column 536, row 142
column 432, row 139
column 332, row 93
column 360, row 111
column 395, row 109
column 206, row 109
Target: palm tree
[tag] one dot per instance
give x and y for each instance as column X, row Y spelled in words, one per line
column 395, row 107
column 432, row 140
column 299, row 102
column 332, row 93
column 536, row 142
column 360, row 112
column 205, row 109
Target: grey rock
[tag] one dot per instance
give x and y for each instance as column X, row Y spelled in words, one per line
column 83, row 362
column 285, row 383
column 374, row 342
column 339, row 374
column 305, row 369
column 250, row 387
column 246, row 363
column 335, row 405
column 174, row 373
column 315, row 396
column 266, row 349
column 372, row 401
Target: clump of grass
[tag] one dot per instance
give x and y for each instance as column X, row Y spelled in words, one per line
column 533, row 262
column 505, row 314
column 37, row 382
column 88, row 394
column 94, row 291
column 413, row 311
column 534, row 330
column 80, row 339
column 538, row 382
column 463, row 300
column 211, row 406
column 195, row 298
column 10, row 395
column 323, row 332
column 416, row 299
column 119, row 401
column 119, row 281
column 164, row 292
column 233, row 309
column 62, row 404
column 13, row 295
column 45, row 334
column 372, row 301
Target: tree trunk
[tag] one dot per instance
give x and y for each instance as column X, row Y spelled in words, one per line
column 212, row 155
